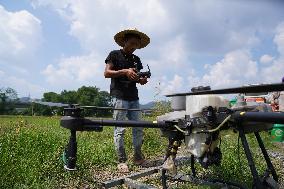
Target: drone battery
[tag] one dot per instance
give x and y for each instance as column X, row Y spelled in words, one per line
column 195, row 104
column 178, row 103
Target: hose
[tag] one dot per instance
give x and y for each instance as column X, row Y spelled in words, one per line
column 213, row 130
column 205, row 131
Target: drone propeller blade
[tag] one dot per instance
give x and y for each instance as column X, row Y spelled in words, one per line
column 52, row 104
column 112, row 108
column 246, row 89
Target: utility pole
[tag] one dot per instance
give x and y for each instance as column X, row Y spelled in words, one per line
column 32, row 108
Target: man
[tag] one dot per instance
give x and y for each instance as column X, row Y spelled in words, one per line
column 281, row 99
column 122, row 67
column 277, row 100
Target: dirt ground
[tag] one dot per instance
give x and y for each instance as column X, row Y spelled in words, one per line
column 277, row 158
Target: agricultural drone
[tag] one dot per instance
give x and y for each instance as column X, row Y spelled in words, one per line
column 197, row 118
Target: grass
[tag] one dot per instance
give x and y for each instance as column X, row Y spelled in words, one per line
column 31, row 149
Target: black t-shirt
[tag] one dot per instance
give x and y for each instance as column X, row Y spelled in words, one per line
column 122, row 87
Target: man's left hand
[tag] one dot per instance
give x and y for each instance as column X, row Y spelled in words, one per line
column 143, row 80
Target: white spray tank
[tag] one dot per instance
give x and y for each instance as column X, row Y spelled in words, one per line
column 195, row 142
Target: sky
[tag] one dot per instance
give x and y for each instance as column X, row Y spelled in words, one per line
column 48, row 45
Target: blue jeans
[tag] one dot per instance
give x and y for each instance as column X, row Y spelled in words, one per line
column 137, row 133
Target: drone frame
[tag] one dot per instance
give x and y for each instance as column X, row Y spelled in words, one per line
column 75, row 122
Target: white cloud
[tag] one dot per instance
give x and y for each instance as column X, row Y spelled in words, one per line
column 1, row 73
column 209, row 27
column 61, row 4
column 178, row 31
column 236, row 68
column 157, row 87
column 20, row 36
column 279, row 38
column 275, row 72
column 94, row 23
column 265, row 59
column 225, row 26
column 21, row 85
column 171, row 58
column 167, row 86
column 173, row 55
column 76, row 71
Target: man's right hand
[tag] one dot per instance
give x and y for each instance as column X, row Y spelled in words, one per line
column 131, row 74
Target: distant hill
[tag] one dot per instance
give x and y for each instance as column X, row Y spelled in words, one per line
column 28, row 100
column 25, row 99
column 149, row 105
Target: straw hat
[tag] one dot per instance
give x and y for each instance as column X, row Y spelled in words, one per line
column 120, row 36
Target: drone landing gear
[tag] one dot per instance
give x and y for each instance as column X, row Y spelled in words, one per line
column 192, row 178
column 69, row 156
column 265, row 182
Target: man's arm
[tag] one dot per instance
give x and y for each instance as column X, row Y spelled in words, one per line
column 111, row 73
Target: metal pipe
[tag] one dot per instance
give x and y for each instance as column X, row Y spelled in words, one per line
column 83, row 124
column 164, row 179
column 71, row 152
column 126, row 123
column 266, row 156
column 192, row 166
column 256, row 179
column 265, row 117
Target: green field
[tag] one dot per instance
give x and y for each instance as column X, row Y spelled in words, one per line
column 31, row 150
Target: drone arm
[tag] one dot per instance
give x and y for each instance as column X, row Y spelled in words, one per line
column 266, row 117
column 83, row 124
column 128, row 123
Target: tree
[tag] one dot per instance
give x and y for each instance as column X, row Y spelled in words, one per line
column 38, row 110
column 69, row 97
column 51, row 97
column 87, row 95
column 91, row 96
column 8, row 96
column 103, row 99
